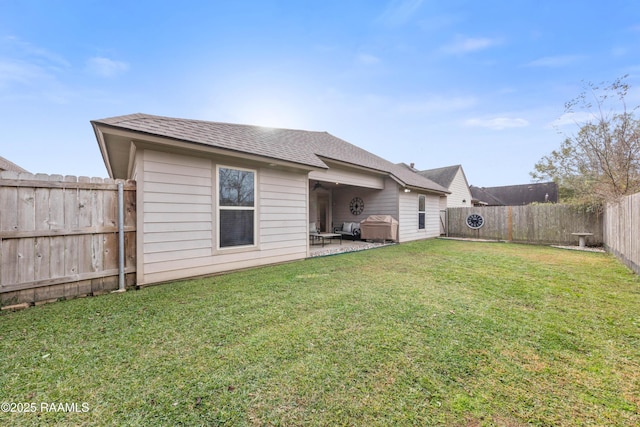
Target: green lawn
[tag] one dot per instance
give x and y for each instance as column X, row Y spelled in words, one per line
column 428, row 333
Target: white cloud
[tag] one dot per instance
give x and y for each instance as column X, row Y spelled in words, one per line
column 462, row 45
column 399, row 12
column 367, row 59
column 18, row 72
column 556, row 61
column 619, row 51
column 36, row 53
column 28, row 65
column 106, row 67
column 568, row 119
column 497, row 123
column 22, row 80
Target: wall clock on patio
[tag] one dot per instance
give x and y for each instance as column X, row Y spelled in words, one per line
column 356, row 206
column 475, row 221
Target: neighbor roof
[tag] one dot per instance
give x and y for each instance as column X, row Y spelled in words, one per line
column 514, row 195
column 307, row 148
column 6, row 165
column 443, row 176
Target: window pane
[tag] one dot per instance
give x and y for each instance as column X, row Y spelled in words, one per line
column 421, row 203
column 236, row 187
column 421, row 221
column 236, row 228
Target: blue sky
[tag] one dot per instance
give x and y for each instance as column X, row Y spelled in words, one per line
column 436, row 83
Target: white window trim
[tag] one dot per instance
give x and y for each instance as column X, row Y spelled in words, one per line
column 422, row 212
column 254, row 208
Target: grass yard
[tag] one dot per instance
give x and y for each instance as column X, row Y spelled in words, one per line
column 428, row 333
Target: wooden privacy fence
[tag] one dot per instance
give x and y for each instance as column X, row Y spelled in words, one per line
column 550, row 224
column 622, row 230
column 59, row 236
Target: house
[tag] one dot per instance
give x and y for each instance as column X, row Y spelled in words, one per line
column 516, row 195
column 453, row 179
column 6, row 165
column 214, row 197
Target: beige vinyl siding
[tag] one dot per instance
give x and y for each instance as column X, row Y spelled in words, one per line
column 283, row 213
column 345, row 176
column 178, row 218
column 433, row 215
column 177, row 210
column 408, row 221
column 459, row 192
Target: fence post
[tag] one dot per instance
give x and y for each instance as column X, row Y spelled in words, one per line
column 510, row 224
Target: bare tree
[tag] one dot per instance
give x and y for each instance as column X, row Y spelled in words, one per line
column 601, row 162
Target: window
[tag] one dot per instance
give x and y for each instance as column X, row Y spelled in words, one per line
column 422, row 201
column 236, row 206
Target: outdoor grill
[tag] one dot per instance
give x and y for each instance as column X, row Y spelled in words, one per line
column 379, row 227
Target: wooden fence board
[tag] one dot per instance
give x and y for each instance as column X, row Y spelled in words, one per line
column 540, row 224
column 621, row 230
column 59, row 236
column 42, row 262
column 9, row 204
column 56, row 209
column 56, row 256
column 26, row 209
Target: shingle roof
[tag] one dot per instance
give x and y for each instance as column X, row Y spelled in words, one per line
column 282, row 144
column 443, row 176
column 481, row 194
column 6, row 165
column 298, row 146
column 515, row 195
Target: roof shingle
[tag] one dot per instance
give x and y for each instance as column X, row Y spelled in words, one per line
column 6, row 165
column 443, row 176
column 298, row 146
column 514, row 195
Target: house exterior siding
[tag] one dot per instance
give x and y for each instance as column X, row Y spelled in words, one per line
column 408, row 221
column 344, row 176
column 178, row 237
column 195, row 176
column 460, row 195
column 376, row 202
column 283, row 214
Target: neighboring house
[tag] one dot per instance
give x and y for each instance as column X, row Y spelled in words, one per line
column 215, row 197
column 453, row 179
column 516, row 195
column 6, row 165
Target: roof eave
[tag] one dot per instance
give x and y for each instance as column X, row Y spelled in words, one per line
column 102, row 146
column 418, row 188
column 142, row 137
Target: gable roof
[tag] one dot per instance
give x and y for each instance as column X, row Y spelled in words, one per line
column 301, row 147
column 443, row 176
column 515, row 195
column 484, row 197
column 6, row 165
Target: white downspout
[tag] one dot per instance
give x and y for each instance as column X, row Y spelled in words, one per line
column 121, row 281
